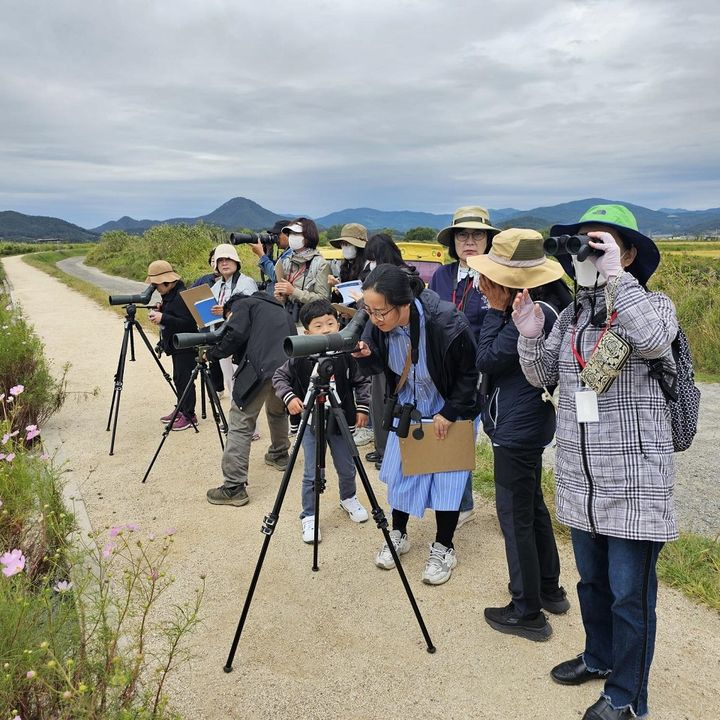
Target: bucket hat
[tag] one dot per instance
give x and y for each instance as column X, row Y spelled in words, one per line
column 160, row 271
column 227, row 252
column 517, row 260
column 352, row 233
column 620, row 218
column 470, row 216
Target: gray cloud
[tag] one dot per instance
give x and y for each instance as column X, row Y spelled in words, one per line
column 171, row 108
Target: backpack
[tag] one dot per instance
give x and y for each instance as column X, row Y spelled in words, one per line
column 682, row 394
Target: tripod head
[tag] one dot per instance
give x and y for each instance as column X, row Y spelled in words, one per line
column 131, row 309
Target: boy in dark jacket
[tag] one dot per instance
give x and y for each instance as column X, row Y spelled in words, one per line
column 173, row 316
column 291, row 383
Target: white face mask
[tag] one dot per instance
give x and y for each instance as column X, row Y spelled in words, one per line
column 372, row 265
column 349, row 252
column 586, row 274
column 296, row 242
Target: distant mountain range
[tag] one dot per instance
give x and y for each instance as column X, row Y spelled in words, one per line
column 241, row 213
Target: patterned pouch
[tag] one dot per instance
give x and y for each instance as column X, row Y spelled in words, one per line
column 606, row 362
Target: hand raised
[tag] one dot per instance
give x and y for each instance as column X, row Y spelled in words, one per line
column 527, row 316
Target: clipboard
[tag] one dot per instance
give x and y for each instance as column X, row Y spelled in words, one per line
column 430, row 455
column 196, row 299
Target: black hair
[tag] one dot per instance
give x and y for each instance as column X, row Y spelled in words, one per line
column 351, row 269
column 452, row 251
column 315, row 309
column 555, row 293
column 396, row 284
column 310, row 231
column 382, row 249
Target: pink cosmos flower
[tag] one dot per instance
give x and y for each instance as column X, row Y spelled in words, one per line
column 30, row 674
column 44, row 456
column 10, row 457
column 62, row 586
column 115, row 530
column 32, row 432
column 14, row 562
column 9, row 435
column 107, row 550
column 2, row 456
column 132, row 527
column 16, row 390
column 154, row 574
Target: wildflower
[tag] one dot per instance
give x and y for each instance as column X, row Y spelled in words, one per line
column 30, row 674
column 32, row 432
column 154, row 574
column 115, row 530
column 14, row 562
column 10, row 399
column 9, row 435
column 45, row 457
column 67, row 695
column 107, row 551
column 10, row 457
column 2, row 456
column 170, row 531
column 16, row 390
column 62, row 586
column 132, row 527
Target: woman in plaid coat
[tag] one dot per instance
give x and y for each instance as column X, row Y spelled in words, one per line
column 614, row 463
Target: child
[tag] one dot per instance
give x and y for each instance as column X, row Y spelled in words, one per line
column 173, row 317
column 291, row 382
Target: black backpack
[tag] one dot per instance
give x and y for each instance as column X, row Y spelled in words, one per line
column 682, row 394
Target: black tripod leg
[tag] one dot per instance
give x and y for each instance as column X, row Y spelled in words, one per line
column 164, row 372
column 119, row 378
column 217, row 411
column 319, row 420
column 378, row 513
column 203, row 409
column 268, row 528
column 168, row 427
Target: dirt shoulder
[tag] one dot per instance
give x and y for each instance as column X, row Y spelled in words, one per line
column 342, row 642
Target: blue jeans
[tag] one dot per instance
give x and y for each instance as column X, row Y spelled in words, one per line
column 342, row 459
column 467, row 502
column 618, row 594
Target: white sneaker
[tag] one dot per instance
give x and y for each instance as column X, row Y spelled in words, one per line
column 465, row 516
column 308, row 530
column 363, row 436
column 384, row 558
column 354, row 509
column 439, row 565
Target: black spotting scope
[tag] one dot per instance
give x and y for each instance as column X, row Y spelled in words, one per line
column 142, row 298
column 182, row 341
column 344, row 341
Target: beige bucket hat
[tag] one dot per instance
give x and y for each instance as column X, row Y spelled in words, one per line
column 160, row 271
column 470, row 216
column 352, row 233
column 517, row 260
column 225, row 251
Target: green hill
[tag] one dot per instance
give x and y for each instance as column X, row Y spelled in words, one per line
column 33, row 228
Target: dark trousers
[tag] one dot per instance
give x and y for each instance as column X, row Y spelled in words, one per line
column 183, row 365
column 532, row 555
column 618, row 594
column 216, row 375
column 377, row 408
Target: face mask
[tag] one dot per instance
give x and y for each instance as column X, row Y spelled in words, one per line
column 349, row 252
column 372, row 265
column 586, row 274
column 297, row 242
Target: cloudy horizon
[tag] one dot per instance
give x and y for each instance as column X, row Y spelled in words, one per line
column 167, row 109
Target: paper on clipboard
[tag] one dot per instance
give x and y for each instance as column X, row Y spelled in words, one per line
column 199, row 301
column 348, row 289
column 430, row 455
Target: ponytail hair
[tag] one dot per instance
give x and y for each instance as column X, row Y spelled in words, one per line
column 396, row 284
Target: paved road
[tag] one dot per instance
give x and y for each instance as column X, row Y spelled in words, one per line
column 697, row 493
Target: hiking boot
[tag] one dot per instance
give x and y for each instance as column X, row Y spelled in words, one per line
column 439, row 565
column 225, row 496
column 363, row 436
column 166, row 418
column 384, row 558
column 556, row 602
column 465, row 516
column 508, row 620
column 279, row 463
column 182, row 422
column 308, row 530
column 354, row 509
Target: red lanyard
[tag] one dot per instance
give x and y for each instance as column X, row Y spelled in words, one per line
column 294, row 276
column 575, row 352
column 466, row 290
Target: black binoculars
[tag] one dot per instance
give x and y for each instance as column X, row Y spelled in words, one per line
column 570, row 245
column 405, row 414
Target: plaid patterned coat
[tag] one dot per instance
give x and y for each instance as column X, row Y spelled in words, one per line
column 614, row 477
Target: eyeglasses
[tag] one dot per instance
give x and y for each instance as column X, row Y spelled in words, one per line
column 379, row 314
column 467, row 236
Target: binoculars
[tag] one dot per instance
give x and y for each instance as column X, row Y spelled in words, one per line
column 405, row 414
column 578, row 245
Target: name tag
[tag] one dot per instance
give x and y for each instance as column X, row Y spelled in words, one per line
column 586, row 406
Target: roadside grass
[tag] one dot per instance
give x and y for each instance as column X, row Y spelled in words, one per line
column 690, row 564
column 21, row 248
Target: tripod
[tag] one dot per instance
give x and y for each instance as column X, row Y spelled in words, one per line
column 128, row 339
column 320, row 391
column 201, row 368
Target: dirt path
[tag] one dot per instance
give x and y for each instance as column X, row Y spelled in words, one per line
column 342, row 642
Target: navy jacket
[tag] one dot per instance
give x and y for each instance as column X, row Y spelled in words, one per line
column 176, row 318
column 467, row 299
column 513, row 412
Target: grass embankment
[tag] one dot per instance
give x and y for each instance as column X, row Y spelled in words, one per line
column 691, row 563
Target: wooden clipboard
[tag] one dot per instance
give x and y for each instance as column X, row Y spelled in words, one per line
column 430, row 455
column 193, row 295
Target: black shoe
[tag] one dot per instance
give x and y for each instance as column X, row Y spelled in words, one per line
column 602, row 710
column 374, row 456
column 508, row 620
column 574, row 672
column 555, row 603
column 378, row 464
column 279, row 463
column 223, row 496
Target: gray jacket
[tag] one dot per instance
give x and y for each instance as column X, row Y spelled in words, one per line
column 614, row 477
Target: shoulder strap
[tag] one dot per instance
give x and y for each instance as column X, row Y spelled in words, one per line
column 406, row 370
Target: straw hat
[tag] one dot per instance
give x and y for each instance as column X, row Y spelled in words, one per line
column 352, row 233
column 517, row 260
column 227, row 252
column 160, row 271
column 471, row 216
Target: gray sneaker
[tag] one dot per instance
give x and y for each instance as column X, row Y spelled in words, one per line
column 279, row 463
column 439, row 565
column 363, row 436
column 384, row 558
column 223, row 496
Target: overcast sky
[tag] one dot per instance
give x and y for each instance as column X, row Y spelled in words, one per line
column 161, row 108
